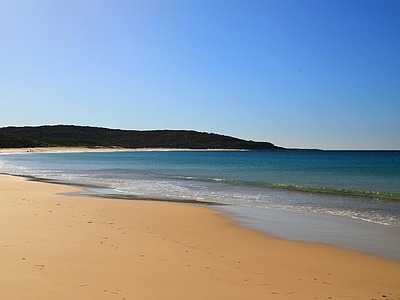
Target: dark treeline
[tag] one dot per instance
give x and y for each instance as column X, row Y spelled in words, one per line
column 84, row 136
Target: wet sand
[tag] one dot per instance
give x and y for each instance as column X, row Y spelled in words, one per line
column 54, row 246
column 376, row 239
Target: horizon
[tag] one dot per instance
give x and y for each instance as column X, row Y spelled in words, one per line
column 298, row 74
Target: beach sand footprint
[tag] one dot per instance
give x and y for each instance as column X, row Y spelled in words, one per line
column 41, row 267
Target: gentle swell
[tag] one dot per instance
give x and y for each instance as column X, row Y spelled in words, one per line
column 338, row 191
column 380, row 195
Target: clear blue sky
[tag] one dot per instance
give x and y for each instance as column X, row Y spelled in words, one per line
column 312, row 74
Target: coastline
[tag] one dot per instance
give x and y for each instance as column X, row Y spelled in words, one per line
column 101, row 149
column 61, row 149
column 56, row 246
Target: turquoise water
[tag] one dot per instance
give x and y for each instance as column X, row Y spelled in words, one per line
column 356, row 184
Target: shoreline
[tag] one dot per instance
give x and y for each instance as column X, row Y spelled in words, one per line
column 61, row 149
column 103, row 149
column 92, row 248
column 343, row 232
column 119, row 149
column 377, row 239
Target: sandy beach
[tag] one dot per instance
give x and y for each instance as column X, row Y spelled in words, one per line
column 62, row 149
column 57, row 246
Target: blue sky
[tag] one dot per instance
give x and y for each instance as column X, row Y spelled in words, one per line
column 311, row 74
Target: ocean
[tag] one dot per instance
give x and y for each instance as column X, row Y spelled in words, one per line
column 346, row 198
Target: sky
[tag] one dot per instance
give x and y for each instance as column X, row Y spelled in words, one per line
column 301, row 74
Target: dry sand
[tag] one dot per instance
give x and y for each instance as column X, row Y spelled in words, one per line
column 54, row 246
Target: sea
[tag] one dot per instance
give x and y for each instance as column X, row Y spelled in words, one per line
column 349, row 199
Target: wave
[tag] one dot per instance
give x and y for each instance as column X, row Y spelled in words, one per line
column 232, row 195
column 379, row 195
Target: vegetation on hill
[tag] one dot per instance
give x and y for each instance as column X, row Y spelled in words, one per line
column 84, row 136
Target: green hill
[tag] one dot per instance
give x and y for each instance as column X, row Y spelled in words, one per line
column 84, row 136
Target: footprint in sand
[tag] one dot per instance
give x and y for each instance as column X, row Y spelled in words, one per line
column 40, row 266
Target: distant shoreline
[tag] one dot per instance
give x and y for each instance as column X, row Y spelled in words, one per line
column 120, row 149
column 58, row 149
column 104, row 149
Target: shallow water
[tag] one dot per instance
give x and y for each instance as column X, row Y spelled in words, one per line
column 342, row 232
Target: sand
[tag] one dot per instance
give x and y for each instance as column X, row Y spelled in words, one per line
column 64, row 149
column 55, row 246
